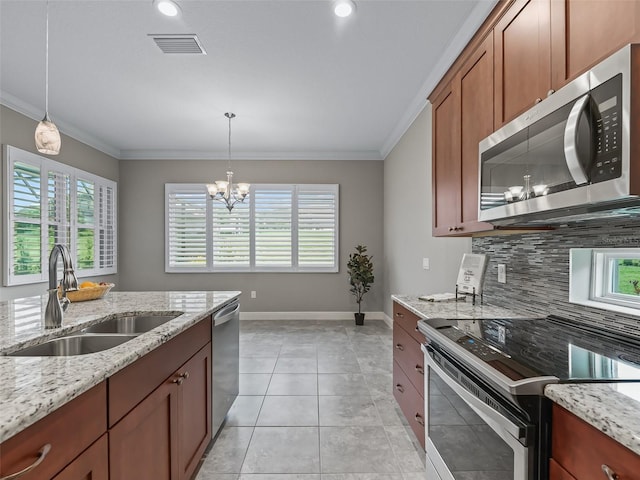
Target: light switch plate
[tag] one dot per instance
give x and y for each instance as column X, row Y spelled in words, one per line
column 502, row 273
column 426, row 264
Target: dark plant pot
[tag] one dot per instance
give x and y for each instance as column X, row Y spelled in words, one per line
column 359, row 318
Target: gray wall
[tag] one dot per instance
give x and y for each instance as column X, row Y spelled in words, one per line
column 538, row 270
column 407, row 221
column 141, row 224
column 18, row 131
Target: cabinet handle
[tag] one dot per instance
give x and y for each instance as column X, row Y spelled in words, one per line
column 451, row 229
column 41, row 455
column 419, row 369
column 538, row 100
column 399, row 346
column 178, row 380
column 419, row 419
column 611, row 475
column 184, row 375
column 399, row 315
column 417, row 329
column 400, row 388
column 550, row 92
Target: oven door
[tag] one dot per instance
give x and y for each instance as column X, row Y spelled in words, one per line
column 466, row 438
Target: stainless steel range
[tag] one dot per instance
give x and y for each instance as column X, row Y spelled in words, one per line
column 487, row 417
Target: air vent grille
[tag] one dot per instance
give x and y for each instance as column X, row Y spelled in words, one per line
column 179, row 44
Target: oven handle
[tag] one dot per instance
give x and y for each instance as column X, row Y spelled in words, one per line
column 496, row 421
column 571, row 141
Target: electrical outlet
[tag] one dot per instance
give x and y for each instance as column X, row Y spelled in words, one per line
column 502, row 334
column 253, row 294
column 502, row 273
column 425, row 264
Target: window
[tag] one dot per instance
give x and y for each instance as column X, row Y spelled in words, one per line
column 284, row 228
column 606, row 278
column 48, row 203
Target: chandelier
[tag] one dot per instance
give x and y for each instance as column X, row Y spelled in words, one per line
column 224, row 190
column 47, row 135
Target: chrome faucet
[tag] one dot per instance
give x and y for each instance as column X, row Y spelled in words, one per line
column 55, row 306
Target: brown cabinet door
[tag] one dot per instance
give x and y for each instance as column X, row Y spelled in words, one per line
column 476, row 113
column 446, row 162
column 522, row 58
column 194, row 414
column 143, row 445
column 585, row 32
column 556, row 472
column 92, row 464
column 411, row 402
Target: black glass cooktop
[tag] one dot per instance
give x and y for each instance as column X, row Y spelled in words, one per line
column 528, row 348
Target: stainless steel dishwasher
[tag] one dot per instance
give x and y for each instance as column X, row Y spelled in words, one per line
column 225, row 360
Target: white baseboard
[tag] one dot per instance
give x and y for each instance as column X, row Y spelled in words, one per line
column 388, row 320
column 310, row 316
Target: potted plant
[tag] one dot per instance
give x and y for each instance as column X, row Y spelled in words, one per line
column 360, row 270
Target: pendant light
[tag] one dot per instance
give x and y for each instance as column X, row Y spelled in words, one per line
column 47, row 135
column 223, row 190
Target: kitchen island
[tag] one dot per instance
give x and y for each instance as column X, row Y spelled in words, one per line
column 33, row 387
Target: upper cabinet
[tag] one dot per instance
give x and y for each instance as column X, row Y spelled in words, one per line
column 585, row 32
column 522, row 58
column 524, row 52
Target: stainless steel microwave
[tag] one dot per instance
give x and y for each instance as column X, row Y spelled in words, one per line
column 567, row 156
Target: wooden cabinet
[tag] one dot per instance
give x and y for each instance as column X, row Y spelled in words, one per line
column 462, row 116
column 164, row 435
column 68, row 431
column 522, row 58
column 92, row 464
column 579, row 451
column 585, row 32
column 408, row 369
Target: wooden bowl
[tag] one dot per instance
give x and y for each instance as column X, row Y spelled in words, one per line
column 91, row 293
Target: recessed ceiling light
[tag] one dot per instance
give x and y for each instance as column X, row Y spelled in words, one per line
column 344, row 8
column 167, row 7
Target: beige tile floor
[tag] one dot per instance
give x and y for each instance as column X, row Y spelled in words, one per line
column 315, row 403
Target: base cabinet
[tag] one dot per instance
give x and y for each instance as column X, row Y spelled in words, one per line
column 408, row 369
column 580, row 451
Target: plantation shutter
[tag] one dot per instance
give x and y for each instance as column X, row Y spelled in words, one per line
column 272, row 226
column 187, row 227
column 317, row 226
column 106, row 225
column 232, row 235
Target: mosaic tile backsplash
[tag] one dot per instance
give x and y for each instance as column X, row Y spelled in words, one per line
column 538, row 270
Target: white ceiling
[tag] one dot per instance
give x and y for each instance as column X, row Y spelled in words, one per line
column 303, row 83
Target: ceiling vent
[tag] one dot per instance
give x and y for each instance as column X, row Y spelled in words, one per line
column 179, row 44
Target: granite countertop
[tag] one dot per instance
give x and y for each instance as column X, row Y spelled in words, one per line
column 32, row 387
column 613, row 408
column 451, row 309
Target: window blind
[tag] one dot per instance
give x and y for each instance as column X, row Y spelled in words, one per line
column 287, row 228
column 48, row 203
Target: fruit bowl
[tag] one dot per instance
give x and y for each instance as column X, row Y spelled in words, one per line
column 88, row 293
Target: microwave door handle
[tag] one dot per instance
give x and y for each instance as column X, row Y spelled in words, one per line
column 571, row 141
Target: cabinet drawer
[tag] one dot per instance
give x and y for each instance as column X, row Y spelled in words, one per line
column 131, row 385
column 407, row 320
column 407, row 353
column 582, row 449
column 93, row 464
column 69, row 430
column 410, row 401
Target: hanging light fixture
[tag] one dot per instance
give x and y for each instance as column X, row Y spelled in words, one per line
column 47, row 134
column 223, row 190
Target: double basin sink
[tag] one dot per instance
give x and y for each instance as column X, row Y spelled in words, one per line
column 96, row 338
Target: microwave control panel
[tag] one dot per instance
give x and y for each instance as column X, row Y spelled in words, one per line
column 607, row 106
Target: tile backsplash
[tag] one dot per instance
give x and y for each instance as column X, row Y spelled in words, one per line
column 538, row 270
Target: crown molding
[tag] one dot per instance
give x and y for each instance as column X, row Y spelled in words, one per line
column 34, row 113
column 465, row 33
column 238, row 155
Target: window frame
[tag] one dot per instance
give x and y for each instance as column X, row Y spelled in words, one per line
column 593, row 275
column 13, row 155
column 210, row 267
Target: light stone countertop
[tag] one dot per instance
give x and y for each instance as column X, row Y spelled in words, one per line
column 32, row 387
column 613, row 408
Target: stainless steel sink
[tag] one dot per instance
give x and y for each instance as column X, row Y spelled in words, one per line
column 131, row 324
column 73, row 345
